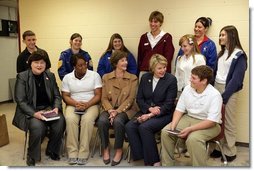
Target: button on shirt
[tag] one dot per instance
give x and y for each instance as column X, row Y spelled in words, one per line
column 206, row 105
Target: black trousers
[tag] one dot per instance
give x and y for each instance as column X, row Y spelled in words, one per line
column 142, row 138
column 38, row 129
column 118, row 125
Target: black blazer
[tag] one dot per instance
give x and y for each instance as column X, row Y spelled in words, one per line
column 25, row 96
column 164, row 94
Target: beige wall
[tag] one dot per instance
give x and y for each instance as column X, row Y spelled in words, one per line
column 54, row 21
column 8, row 54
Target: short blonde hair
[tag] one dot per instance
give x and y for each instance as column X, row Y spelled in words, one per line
column 155, row 59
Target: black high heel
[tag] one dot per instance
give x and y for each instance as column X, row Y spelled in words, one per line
column 114, row 163
column 106, row 161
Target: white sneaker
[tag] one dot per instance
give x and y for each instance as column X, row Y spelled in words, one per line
column 187, row 154
column 72, row 161
column 82, row 161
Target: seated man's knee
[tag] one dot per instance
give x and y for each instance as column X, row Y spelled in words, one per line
column 191, row 140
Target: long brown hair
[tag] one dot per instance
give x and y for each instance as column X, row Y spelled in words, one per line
column 110, row 44
column 233, row 41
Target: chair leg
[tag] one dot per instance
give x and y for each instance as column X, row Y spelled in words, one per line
column 127, row 151
column 63, row 146
column 24, row 152
column 177, row 147
column 95, row 143
column 100, row 152
column 129, row 154
column 222, row 153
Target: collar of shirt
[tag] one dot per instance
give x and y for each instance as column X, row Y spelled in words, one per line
column 204, row 93
column 150, row 36
column 112, row 75
column 204, row 40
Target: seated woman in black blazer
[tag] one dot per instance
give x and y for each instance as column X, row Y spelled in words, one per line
column 36, row 91
column 156, row 95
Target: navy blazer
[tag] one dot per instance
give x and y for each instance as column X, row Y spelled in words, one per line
column 164, row 94
column 25, row 96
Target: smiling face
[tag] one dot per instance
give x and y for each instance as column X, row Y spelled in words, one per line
column 76, row 43
column 199, row 30
column 117, row 44
column 197, row 84
column 38, row 66
column 155, row 25
column 30, row 42
column 223, row 38
column 122, row 64
column 187, row 48
column 160, row 70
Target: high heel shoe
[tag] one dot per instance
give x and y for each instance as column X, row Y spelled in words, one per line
column 114, row 163
column 106, row 161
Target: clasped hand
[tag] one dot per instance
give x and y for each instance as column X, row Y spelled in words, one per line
column 82, row 106
column 112, row 115
column 156, row 110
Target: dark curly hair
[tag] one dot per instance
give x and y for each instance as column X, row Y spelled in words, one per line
column 75, row 57
column 39, row 55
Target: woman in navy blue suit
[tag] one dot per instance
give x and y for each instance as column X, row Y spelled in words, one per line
column 156, row 95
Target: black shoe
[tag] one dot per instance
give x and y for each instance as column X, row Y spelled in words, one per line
column 52, row 155
column 215, row 154
column 114, row 163
column 229, row 158
column 106, row 161
column 30, row 161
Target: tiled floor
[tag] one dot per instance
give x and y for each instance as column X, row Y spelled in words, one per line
column 11, row 154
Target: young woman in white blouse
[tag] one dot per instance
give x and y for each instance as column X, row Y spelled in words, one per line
column 229, row 74
column 190, row 59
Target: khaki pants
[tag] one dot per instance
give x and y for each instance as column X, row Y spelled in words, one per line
column 79, row 130
column 196, row 142
column 229, row 140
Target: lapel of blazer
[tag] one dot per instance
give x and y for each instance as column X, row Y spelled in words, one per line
column 47, row 85
column 160, row 84
column 31, row 91
column 150, row 82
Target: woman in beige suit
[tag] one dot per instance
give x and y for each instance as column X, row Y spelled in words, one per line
column 118, row 103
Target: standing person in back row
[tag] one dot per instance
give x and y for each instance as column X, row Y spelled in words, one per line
column 65, row 63
column 206, row 45
column 116, row 43
column 154, row 42
column 229, row 76
column 29, row 39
